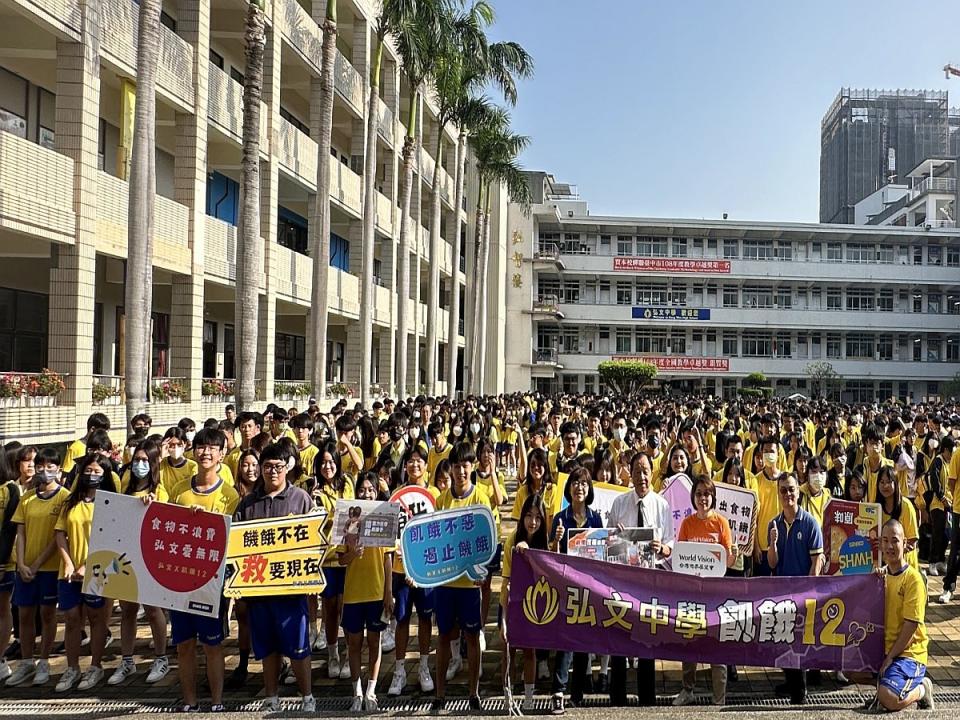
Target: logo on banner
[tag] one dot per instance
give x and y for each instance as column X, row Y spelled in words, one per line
column 699, row 559
column 540, row 597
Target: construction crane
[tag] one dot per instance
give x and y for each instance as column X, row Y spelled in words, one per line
column 949, row 70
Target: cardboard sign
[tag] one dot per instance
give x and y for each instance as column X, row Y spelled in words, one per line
column 699, row 559
column 441, row 547
column 736, row 504
column 159, row 554
column 371, row 523
column 293, row 572
column 296, row 532
column 630, row 546
column 851, row 532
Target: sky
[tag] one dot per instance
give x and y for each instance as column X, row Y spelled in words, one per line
column 693, row 108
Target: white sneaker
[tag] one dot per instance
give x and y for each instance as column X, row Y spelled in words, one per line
column 543, row 670
column 388, row 640
column 356, row 706
column 91, row 678
column 141, row 613
column 426, row 680
column 320, row 644
column 308, row 705
column 5, row 670
column 456, row 662
column 370, row 703
column 42, row 676
column 270, row 704
column 932, row 570
column 333, row 667
column 109, row 640
column 527, row 702
column 125, row 669
column 345, row 670
column 25, row 670
column 398, row 683
column 69, row 678
column 685, row 697
column 483, row 641
column 945, row 597
column 159, row 669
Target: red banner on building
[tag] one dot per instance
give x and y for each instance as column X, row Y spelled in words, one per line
column 683, row 364
column 685, row 265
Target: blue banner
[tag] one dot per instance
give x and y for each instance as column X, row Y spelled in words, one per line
column 670, row 313
column 442, row 546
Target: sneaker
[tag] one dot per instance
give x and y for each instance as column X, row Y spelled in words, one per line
column 84, row 640
column 398, row 683
column 42, row 676
column 91, row 678
column 308, row 705
column 842, row 679
column 388, row 640
column 474, row 703
column 109, row 641
column 438, row 704
column 345, row 670
column 483, row 641
column 556, row 705
column 945, row 597
column 270, row 704
column 159, row 669
column 189, row 708
column 456, row 662
column 926, row 702
column 370, row 704
column 218, row 708
column 333, row 667
column 70, row 677
column 685, row 697
column 25, row 670
column 5, row 670
column 426, row 680
column 356, row 706
column 602, row 684
column 543, row 670
column 141, row 613
column 528, row 703
column 932, row 570
column 287, row 676
column 320, row 644
column 13, row 650
column 125, row 669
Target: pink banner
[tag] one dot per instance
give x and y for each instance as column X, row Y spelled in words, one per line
column 695, row 364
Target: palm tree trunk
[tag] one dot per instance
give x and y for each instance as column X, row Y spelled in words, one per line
column 484, row 264
column 453, row 326
column 138, row 293
column 321, row 220
column 369, row 228
column 250, row 252
column 406, row 188
column 433, row 305
column 477, row 292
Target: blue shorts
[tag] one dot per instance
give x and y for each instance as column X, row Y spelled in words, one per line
column 187, row 626
column 7, row 580
column 69, row 596
column 405, row 598
column 457, row 607
column 279, row 625
column 493, row 567
column 363, row 615
column 42, row 590
column 903, row 676
column 334, row 577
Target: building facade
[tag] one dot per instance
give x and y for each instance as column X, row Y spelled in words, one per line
column 66, row 75
column 709, row 302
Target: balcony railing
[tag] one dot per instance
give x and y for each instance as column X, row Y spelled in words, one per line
column 385, row 124
column 933, row 184
column 348, row 82
column 548, row 251
column 545, row 356
column 547, row 304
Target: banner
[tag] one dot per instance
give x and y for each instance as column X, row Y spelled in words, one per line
column 630, row 546
column 374, row 523
column 671, row 265
column 440, row 547
column 603, row 496
column 680, row 363
column 277, row 556
column 670, row 313
column 699, row 559
column 559, row 602
column 851, row 531
column 413, row 501
column 736, row 504
column 162, row 555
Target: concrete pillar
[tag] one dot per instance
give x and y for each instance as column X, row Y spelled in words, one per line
column 73, row 269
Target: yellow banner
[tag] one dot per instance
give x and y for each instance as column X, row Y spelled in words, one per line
column 281, row 573
column 128, row 103
column 293, row 533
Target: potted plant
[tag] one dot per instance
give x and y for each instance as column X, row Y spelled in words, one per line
column 104, row 394
column 215, row 390
column 340, row 390
column 11, row 390
column 169, row 391
column 43, row 388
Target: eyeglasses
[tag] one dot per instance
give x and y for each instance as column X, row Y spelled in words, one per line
column 205, row 449
column 273, row 468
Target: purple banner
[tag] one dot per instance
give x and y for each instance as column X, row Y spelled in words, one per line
column 560, row 602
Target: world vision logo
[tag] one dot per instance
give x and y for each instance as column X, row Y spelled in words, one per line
column 537, row 596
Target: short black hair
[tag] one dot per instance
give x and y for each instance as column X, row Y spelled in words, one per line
column 462, row 452
column 98, row 421
column 209, row 436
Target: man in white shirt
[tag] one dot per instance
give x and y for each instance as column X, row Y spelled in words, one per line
column 640, row 508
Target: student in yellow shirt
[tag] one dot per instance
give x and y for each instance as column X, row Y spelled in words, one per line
column 439, row 447
column 894, row 507
column 175, row 467
column 208, row 492
column 73, row 528
column 351, row 459
column 538, row 481
column 250, row 424
column 814, row 494
column 768, row 500
column 36, row 581
column 492, row 481
column 367, row 600
column 142, row 478
column 9, row 499
column 678, row 461
column 874, row 459
column 78, row 448
column 302, row 426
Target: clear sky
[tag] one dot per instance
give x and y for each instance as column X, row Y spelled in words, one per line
column 693, row 108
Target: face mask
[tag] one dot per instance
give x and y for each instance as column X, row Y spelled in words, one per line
column 855, row 419
column 93, row 480
column 50, row 475
column 396, row 433
column 457, row 431
column 414, row 433
column 140, row 469
column 816, row 481
column 934, row 444
column 620, row 433
column 190, row 435
column 770, row 459
column 653, row 441
column 177, row 452
column 474, row 428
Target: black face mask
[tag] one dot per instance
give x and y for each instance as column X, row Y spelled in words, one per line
column 92, row 481
column 396, row 433
column 653, row 441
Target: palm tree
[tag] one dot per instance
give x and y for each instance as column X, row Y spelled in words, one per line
column 250, row 252
column 496, row 150
column 320, row 222
column 138, row 292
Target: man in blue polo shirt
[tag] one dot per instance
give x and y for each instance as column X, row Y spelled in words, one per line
column 796, row 549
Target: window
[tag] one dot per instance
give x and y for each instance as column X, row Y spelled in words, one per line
column 860, row 391
column 885, row 301
column 571, row 292
column 834, row 252
column 834, row 299
column 293, row 120
column 678, row 295
column 757, row 344
column 860, row 299
column 731, row 296
column 679, row 247
column 953, row 256
column 292, row 230
column 784, row 298
column 161, row 344
column 624, row 245
column 860, row 346
column 933, row 348
column 229, row 356
column 953, row 303
column 833, row 346
column 782, row 346
column 571, row 383
column 860, row 253
column 784, row 250
column 209, row 349
column 652, row 246
column 731, row 249
column 730, row 344
column 168, row 21
column 334, row 361
column 934, row 255
column 624, row 293
column 624, row 340
column 236, row 75
column 652, row 294
column 885, row 254
column 378, row 280
column 678, row 342
column 290, row 354
column 918, row 255
column 13, row 105
column 933, row 302
column 885, row 347
column 339, row 252
column 953, row 348
column 803, row 346
column 758, row 297
column 23, row 330
column 758, row 250
column 216, row 58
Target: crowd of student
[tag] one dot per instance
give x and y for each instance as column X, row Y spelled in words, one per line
column 793, row 455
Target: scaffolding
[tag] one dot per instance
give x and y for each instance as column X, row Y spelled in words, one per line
column 872, row 138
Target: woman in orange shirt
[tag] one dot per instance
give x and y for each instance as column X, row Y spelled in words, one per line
column 706, row 525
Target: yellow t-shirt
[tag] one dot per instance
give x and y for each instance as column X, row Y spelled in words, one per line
column 435, row 457
column 76, row 450
column 505, row 569
column 911, row 530
column 308, row 458
column 221, row 498
column 871, row 477
column 548, row 494
column 769, row 507
column 363, row 581
column 327, row 499
column 8, row 491
column 905, row 598
column 160, row 494
column 954, row 470
column 76, row 523
column 814, row 505
column 477, row 496
column 232, row 460
column 39, row 517
column 349, row 467
column 171, row 477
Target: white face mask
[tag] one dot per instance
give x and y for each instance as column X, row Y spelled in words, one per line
column 770, row 459
column 176, row 452
column 620, row 433
column 474, row 428
column 190, row 435
column 140, row 469
column 457, row 431
column 414, row 433
column 816, row 481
